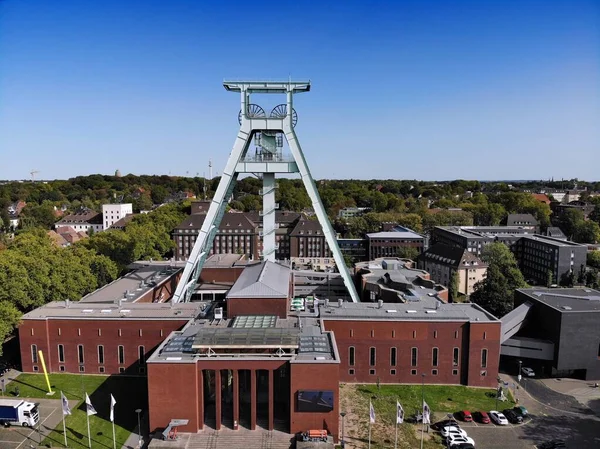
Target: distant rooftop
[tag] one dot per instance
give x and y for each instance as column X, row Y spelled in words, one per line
column 486, row 231
column 437, row 311
column 552, row 241
column 130, row 287
column 136, row 311
column 566, row 299
column 398, row 232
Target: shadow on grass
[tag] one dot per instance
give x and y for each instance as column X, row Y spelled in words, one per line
column 12, row 387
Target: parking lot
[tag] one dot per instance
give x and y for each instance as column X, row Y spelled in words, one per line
column 17, row 437
column 552, row 416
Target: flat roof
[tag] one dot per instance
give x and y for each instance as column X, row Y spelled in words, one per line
column 552, row 240
column 130, row 287
column 135, row 311
column 566, row 300
column 410, row 311
column 301, row 338
column 394, row 235
column 267, row 86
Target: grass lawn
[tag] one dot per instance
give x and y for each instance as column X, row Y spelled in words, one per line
column 129, row 392
column 441, row 399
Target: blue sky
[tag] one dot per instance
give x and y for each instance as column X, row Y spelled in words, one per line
column 426, row 90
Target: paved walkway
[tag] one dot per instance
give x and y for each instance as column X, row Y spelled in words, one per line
column 582, row 391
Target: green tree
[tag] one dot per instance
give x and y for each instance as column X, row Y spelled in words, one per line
column 453, row 287
column 593, row 259
column 9, row 319
column 495, row 293
column 569, row 221
column 587, row 232
column 408, row 252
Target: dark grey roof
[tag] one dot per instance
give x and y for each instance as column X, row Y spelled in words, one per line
column 521, row 219
column 450, row 255
column 89, row 217
column 556, row 232
column 304, row 226
column 566, row 299
column 263, row 280
column 230, row 221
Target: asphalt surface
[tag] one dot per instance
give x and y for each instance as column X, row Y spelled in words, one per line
column 553, row 415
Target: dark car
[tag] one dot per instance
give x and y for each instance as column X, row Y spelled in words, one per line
column 512, row 416
column 553, row 444
column 441, row 424
column 521, row 410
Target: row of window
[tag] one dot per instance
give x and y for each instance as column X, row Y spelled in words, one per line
column 434, row 372
column 414, row 353
column 119, row 332
column 100, row 351
column 414, row 333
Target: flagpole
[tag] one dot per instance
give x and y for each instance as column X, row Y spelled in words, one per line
column 370, row 419
column 396, row 440
column 114, row 438
column 369, row 433
column 63, row 419
column 422, row 407
column 89, row 434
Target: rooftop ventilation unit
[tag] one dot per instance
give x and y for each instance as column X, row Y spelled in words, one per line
column 391, row 311
column 411, row 311
column 87, row 311
column 379, row 303
column 567, row 308
column 430, row 311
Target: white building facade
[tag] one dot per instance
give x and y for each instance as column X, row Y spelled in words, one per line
column 111, row 213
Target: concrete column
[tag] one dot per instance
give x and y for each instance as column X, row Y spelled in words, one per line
column 236, row 399
column 271, row 399
column 218, row 399
column 252, row 399
column 201, row 400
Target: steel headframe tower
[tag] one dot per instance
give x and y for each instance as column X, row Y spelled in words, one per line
column 267, row 133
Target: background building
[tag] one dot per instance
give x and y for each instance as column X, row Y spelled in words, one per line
column 442, row 261
column 112, row 213
column 388, row 243
column 82, row 221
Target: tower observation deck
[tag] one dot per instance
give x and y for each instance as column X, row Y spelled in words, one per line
column 268, row 132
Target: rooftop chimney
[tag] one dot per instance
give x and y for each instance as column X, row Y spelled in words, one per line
column 67, row 303
column 340, row 303
column 380, row 303
column 326, row 302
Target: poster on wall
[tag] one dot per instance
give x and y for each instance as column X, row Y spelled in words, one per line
column 315, row 400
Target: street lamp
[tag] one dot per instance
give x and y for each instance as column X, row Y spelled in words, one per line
column 140, row 441
column 343, row 415
column 422, row 407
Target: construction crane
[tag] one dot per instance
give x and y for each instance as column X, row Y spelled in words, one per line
column 33, row 173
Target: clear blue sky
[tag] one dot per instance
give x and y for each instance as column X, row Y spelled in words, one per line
column 427, row 90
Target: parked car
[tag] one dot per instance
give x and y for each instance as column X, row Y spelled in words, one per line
column 512, row 416
column 466, row 416
column 446, row 431
column 498, row 418
column 481, row 417
column 455, row 441
column 553, row 444
column 521, row 410
column 528, row 372
column 445, row 423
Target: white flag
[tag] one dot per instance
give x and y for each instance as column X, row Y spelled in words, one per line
column 399, row 413
column 112, row 408
column 426, row 413
column 371, row 413
column 90, row 408
column 65, row 405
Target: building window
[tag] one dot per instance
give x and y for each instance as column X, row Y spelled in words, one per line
column 455, row 334
column 61, row 368
column 99, row 332
column 79, row 332
column 434, row 334
column 351, row 372
column 434, row 372
column 372, row 372
column 101, row 355
column 414, row 334
column 413, row 372
column 142, row 355
column 34, row 354
column 351, row 354
column 101, row 369
column 35, row 368
column 455, row 372
column 32, row 331
column 484, row 358
column 352, row 332
column 59, row 331
column 372, row 356
column 455, row 356
column 140, row 332
column 484, row 335
column 413, row 357
column 434, row 356
column 372, row 333
column 393, row 357
column 393, row 334
column 121, row 370
column 61, row 353
column 393, row 372
column 121, row 355
column 80, row 353
column 81, row 369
